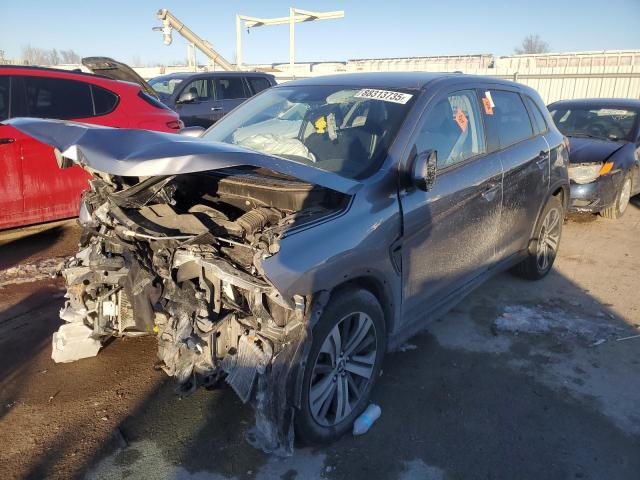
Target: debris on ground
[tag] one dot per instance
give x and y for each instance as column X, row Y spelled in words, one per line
column 54, row 396
column 74, row 341
column 405, row 347
column 627, row 338
column 364, row 422
column 119, row 438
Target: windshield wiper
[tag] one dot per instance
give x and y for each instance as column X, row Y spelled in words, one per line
column 584, row 135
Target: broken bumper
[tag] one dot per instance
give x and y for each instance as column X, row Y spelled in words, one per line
column 595, row 196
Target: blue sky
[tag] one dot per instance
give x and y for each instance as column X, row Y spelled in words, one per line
column 122, row 29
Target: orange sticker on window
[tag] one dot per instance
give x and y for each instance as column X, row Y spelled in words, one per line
column 488, row 109
column 461, row 120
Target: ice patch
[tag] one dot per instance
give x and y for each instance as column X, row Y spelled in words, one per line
column 537, row 320
column 417, row 469
column 144, row 459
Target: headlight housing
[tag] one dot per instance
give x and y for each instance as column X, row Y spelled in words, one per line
column 588, row 172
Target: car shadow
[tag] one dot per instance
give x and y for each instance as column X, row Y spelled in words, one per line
column 16, row 245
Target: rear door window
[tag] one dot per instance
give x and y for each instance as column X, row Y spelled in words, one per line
column 258, row 84
column 453, row 128
column 229, row 88
column 4, row 97
column 58, row 98
column 511, row 117
column 539, row 123
column 104, row 101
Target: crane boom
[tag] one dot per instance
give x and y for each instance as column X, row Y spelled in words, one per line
column 170, row 21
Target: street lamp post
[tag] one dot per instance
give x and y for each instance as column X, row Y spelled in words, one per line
column 295, row 15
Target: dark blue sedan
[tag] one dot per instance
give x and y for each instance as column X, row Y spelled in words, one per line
column 604, row 138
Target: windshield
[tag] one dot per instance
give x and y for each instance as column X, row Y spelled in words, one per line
column 165, row 85
column 603, row 123
column 342, row 130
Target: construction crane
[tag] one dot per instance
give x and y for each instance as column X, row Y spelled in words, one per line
column 170, row 22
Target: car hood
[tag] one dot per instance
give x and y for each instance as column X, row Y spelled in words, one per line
column 115, row 70
column 143, row 153
column 590, row 150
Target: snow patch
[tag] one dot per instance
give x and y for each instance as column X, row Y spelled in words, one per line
column 537, row 320
column 31, row 271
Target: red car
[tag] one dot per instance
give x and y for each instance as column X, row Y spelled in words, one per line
column 32, row 187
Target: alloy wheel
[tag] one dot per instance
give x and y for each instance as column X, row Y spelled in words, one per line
column 548, row 240
column 343, row 369
column 625, row 196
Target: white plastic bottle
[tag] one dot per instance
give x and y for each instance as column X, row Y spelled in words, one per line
column 363, row 422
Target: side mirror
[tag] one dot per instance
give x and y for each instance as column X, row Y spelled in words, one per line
column 187, row 97
column 423, row 170
column 194, row 132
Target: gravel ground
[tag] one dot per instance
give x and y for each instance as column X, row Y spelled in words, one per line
column 521, row 380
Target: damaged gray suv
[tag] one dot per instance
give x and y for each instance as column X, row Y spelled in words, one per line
column 314, row 228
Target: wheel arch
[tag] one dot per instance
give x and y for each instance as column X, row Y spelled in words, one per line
column 558, row 189
column 378, row 288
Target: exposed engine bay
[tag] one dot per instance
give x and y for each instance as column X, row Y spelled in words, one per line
column 180, row 257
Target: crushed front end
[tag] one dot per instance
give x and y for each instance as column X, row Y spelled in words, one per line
column 179, row 257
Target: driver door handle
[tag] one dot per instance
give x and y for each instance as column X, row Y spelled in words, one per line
column 4, row 141
column 216, row 109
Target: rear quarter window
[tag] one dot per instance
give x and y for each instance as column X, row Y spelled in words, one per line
column 539, row 122
column 58, row 98
column 258, row 84
column 153, row 101
column 230, row 88
column 511, row 117
column 104, row 101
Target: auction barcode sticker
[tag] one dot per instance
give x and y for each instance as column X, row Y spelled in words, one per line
column 385, row 95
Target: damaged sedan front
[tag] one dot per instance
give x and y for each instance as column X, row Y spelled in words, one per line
column 226, row 252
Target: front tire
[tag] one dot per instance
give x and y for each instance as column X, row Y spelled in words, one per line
column 543, row 247
column 344, row 361
column 622, row 201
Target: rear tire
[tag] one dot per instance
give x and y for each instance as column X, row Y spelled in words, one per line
column 344, row 361
column 543, row 247
column 622, row 201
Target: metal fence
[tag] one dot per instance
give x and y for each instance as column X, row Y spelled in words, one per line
column 568, row 83
column 557, row 76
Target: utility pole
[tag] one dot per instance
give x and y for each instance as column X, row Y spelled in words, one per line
column 292, row 40
column 295, row 15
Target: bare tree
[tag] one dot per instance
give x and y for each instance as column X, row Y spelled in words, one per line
column 40, row 56
column 54, row 58
column 532, row 44
column 34, row 55
column 69, row 56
